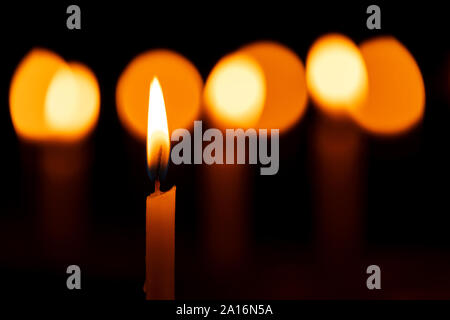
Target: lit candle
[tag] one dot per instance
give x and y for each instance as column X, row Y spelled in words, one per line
column 160, row 218
column 182, row 85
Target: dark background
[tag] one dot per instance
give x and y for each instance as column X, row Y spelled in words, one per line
column 404, row 216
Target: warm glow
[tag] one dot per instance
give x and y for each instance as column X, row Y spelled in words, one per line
column 89, row 98
column 158, row 142
column 182, row 85
column 396, row 100
column 286, row 94
column 336, row 74
column 28, row 93
column 235, row 91
column 62, row 100
column 72, row 102
column 53, row 100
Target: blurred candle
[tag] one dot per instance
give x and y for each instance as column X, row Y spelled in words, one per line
column 379, row 86
column 337, row 81
column 234, row 98
column 54, row 106
column 160, row 216
column 261, row 85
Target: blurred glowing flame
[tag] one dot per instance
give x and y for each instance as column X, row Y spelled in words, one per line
column 286, row 94
column 336, row 74
column 182, row 85
column 396, row 100
column 158, row 141
column 61, row 100
column 28, row 93
column 235, row 91
column 53, row 100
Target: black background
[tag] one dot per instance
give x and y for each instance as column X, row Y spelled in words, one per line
column 405, row 203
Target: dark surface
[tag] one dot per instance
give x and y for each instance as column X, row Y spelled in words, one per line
column 404, row 200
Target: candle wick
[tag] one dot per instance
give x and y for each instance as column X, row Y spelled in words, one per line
column 158, row 168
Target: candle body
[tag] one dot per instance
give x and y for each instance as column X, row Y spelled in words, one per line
column 63, row 192
column 160, row 246
column 226, row 230
column 338, row 152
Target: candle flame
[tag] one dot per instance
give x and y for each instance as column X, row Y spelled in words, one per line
column 158, row 142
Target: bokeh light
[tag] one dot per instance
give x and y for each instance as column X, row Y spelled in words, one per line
column 286, row 94
column 51, row 100
column 396, row 99
column 235, row 91
column 72, row 102
column 89, row 97
column 28, row 93
column 61, row 100
column 336, row 75
column 180, row 82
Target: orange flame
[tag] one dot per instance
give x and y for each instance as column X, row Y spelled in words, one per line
column 336, row 74
column 396, row 100
column 158, row 142
column 235, row 91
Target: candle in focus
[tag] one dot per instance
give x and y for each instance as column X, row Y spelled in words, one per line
column 182, row 85
column 160, row 215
